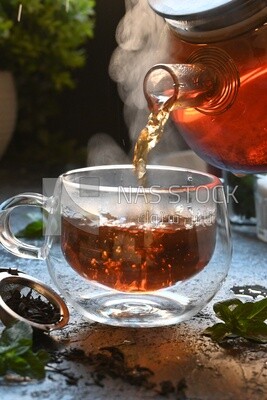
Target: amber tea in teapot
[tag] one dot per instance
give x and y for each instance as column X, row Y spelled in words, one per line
column 226, row 124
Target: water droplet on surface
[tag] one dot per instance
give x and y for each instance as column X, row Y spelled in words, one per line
column 190, row 180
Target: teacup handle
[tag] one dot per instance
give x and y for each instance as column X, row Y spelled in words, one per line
column 7, row 237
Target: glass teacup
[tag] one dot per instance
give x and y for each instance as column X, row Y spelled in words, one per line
column 130, row 255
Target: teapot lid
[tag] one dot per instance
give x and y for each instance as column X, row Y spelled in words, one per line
column 204, row 19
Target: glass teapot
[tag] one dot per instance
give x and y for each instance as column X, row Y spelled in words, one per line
column 218, row 77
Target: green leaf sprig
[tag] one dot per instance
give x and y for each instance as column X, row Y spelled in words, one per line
column 16, row 354
column 34, row 230
column 246, row 320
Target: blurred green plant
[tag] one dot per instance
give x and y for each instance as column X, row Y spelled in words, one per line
column 43, row 42
column 244, row 207
column 43, row 39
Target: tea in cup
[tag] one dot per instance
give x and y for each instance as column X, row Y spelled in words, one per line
column 129, row 255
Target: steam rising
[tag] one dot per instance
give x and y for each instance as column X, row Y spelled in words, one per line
column 142, row 42
column 103, row 150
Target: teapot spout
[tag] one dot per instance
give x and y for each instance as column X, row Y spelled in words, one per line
column 209, row 82
column 182, row 85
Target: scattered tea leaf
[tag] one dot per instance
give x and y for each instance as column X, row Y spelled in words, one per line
column 166, row 387
column 110, row 361
column 181, row 389
column 245, row 320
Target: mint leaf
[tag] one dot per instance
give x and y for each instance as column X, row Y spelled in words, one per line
column 18, row 365
column 16, row 332
column 223, row 309
column 245, row 320
column 258, row 311
column 33, row 230
column 35, row 364
column 217, row 332
column 16, row 354
column 257, row 332
column 243, row 310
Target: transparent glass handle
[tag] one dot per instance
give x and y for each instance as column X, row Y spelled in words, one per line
column 7, row 237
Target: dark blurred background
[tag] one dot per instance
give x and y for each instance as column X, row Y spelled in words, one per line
column 93, row 106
